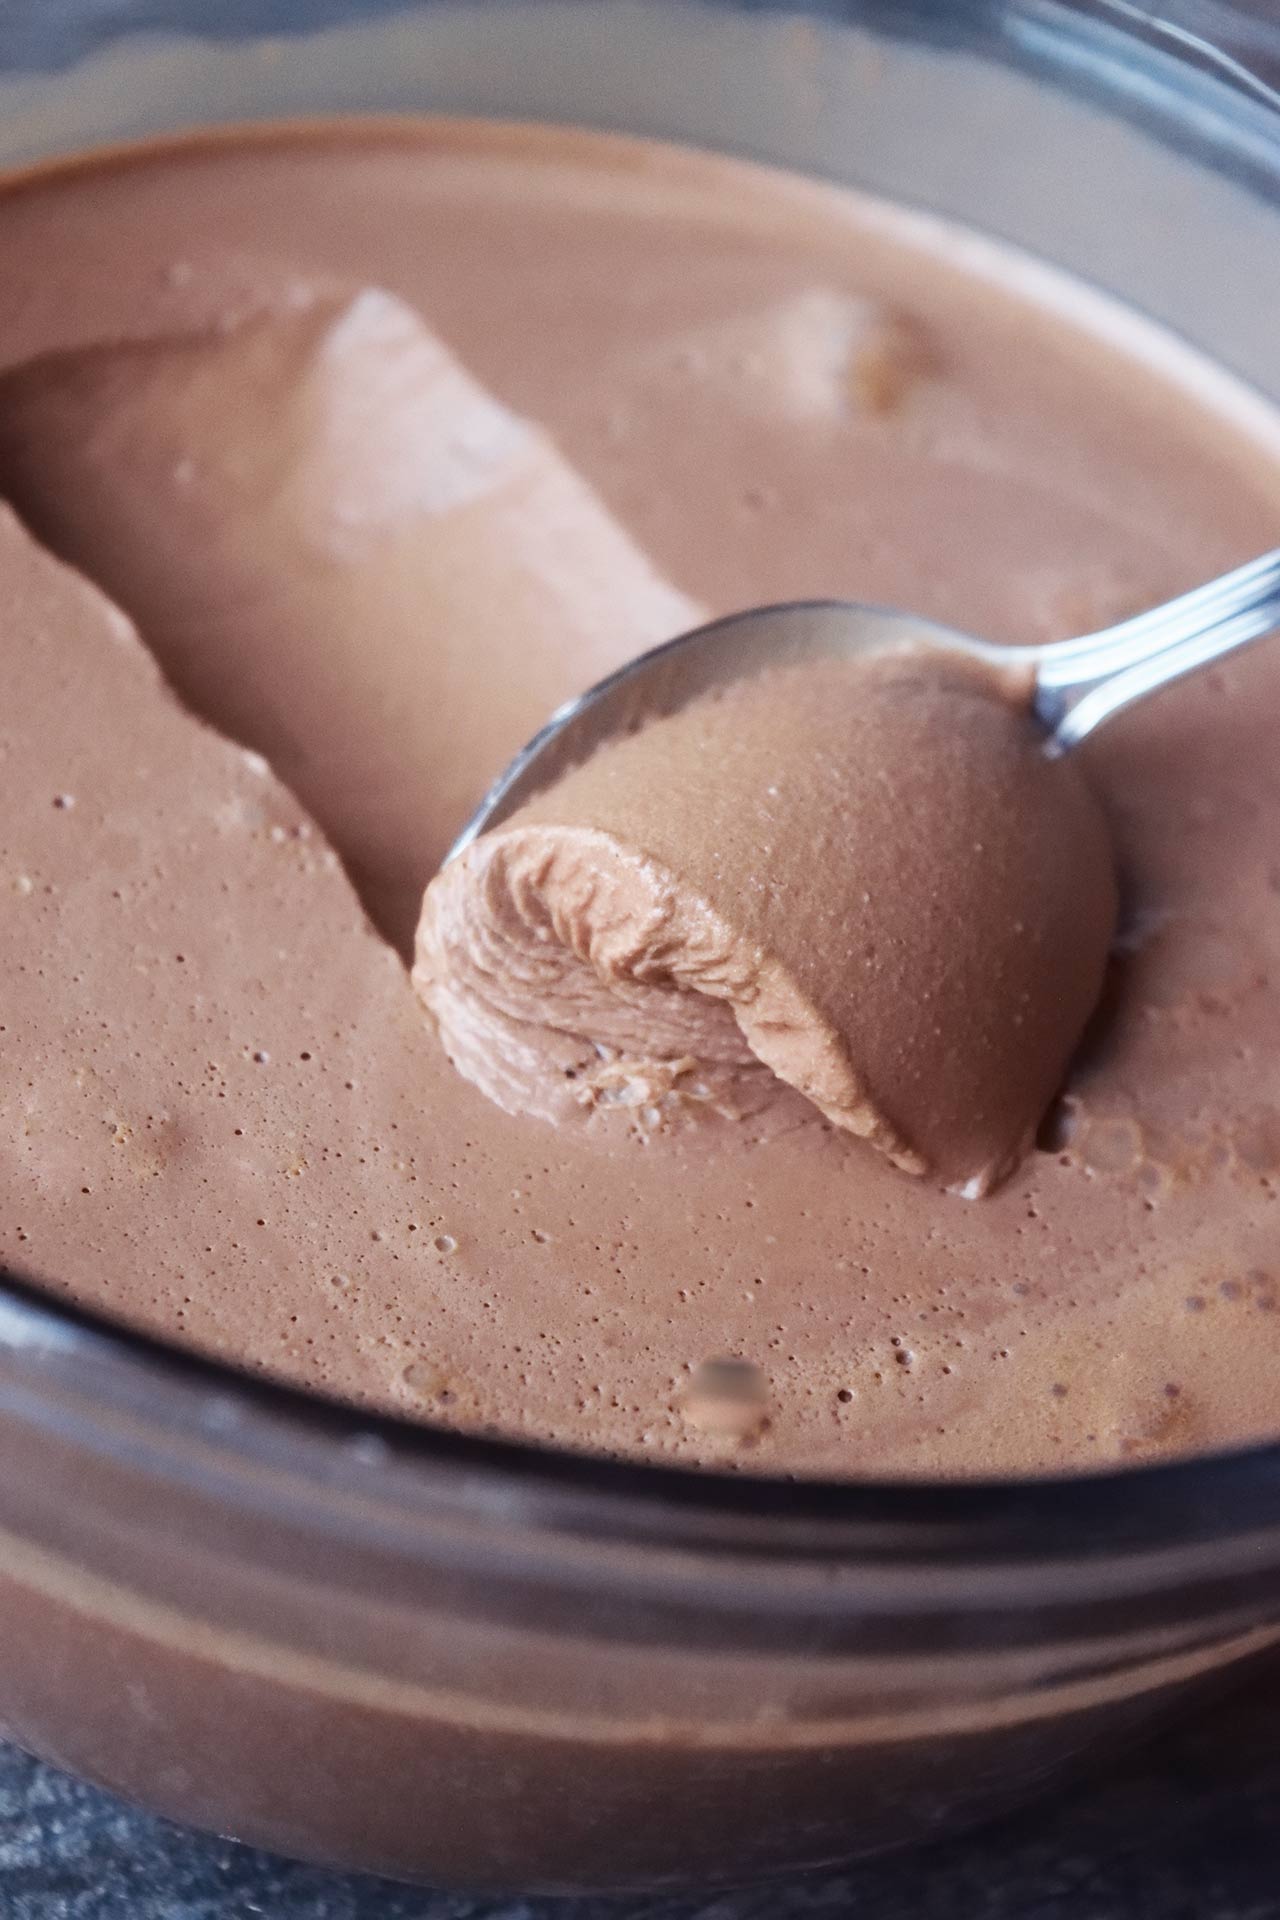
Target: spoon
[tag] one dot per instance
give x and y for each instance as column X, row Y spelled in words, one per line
column 1072, row 686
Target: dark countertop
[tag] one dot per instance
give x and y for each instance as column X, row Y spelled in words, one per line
column 1185, row 1830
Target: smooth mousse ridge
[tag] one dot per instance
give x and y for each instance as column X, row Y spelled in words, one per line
column 321, row 523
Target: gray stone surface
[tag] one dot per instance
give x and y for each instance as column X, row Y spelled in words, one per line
column 1186, row 1830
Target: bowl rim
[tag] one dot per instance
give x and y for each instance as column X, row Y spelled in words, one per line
column 166, row 1393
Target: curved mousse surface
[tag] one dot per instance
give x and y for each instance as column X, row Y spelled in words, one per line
column 321, row 522
column 862, row 880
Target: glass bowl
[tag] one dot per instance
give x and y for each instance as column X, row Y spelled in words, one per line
column 470, row 1662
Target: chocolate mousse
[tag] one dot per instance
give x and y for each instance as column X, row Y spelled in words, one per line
column 324, row 525
column 859, row 878
column 339, row 456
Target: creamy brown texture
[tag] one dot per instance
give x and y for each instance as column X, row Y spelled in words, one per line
column 325, row 528
column 223, row 1116
column 861, row 879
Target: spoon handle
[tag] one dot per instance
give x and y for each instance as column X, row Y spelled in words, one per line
column 1080, row 683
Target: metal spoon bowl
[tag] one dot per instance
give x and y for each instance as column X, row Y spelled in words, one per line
column 1071, row 686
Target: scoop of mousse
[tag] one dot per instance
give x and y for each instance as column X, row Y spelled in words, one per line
column 320, row 521
column 860, row 882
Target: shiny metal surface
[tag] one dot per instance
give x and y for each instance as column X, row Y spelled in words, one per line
column 1073, row 685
